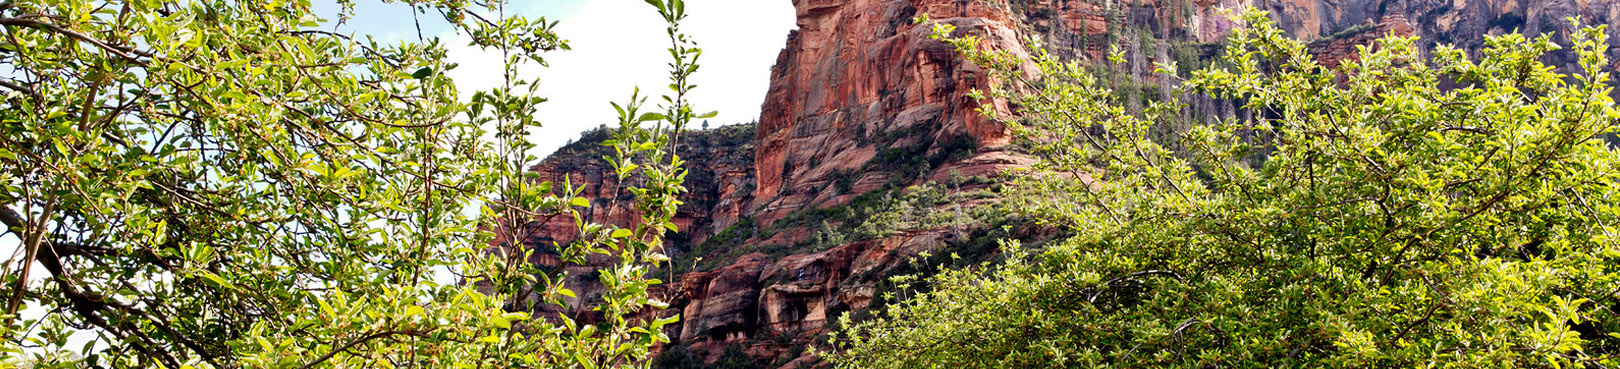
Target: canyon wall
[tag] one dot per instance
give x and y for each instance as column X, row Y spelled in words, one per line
column 719, row 183
column 857, row 70
column 868, row 154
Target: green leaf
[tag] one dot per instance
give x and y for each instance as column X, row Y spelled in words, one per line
column 326, row 309
column 216, row 280
column 270, row 155
column 580, row 202
column 516, row 316
column 579, row 358
column 422, row 73
column 620, row 233
column 651, row 117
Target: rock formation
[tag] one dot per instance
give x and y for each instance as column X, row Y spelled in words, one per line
column 1345, row 45
column 857, row 70
column 719, row 186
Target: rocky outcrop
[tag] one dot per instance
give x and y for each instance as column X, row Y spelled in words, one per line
column 721, row 304
column 1346, row 45
column 719, row 182
column 720, row 177
column 772, row 305
column 855, row 72
column 1461, row 23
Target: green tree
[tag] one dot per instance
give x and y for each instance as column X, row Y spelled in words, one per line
column 1392, row 223
column 223, row 184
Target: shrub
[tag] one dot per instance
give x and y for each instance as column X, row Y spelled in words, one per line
column 1390, row 223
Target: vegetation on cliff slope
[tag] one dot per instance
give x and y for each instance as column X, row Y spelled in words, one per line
column 1392, row 223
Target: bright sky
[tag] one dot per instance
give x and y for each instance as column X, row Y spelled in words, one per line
column 617, row 46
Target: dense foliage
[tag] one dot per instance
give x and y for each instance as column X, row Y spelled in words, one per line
column 223, row 184
column 1365, row 217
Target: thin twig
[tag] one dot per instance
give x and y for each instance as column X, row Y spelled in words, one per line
column 119, row 51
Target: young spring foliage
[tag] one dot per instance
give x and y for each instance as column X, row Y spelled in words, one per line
column 1391, row 222
column 221, row 184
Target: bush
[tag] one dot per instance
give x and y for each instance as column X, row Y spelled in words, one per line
column 1389, row 224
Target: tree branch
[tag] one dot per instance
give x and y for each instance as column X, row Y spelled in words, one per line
column 119, row 51
column 86, row 305
column 12, row 84
column 351, row 344
column 32, row 237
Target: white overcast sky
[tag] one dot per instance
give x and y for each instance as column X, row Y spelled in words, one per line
column 617, row 46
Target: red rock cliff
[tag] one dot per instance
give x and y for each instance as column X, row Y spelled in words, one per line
column 856, row 71
column 719, row 182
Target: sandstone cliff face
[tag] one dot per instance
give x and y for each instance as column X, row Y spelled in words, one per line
column 774, row 308
column 1333, row 51
column 864, row 109
column 856, row 70
column 1461, row 23
column 720, row 176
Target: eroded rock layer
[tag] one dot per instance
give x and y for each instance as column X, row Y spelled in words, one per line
column 856, row 71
